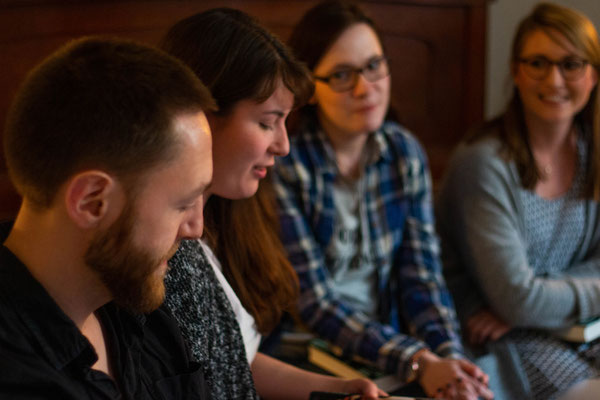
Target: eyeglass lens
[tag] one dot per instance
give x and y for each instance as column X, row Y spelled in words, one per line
column 345, row 79
column 571, row 68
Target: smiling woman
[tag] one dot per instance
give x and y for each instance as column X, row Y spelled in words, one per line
column 247, row 140
column 518, row 211
column 554, row 80
column 355, row 210
column 350, row 111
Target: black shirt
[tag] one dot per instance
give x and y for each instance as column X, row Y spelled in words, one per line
column 43, row 355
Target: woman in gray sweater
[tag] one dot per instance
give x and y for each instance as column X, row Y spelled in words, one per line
column 518, row 210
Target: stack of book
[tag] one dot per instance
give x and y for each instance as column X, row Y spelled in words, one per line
column 583, row 332
column 329, row 358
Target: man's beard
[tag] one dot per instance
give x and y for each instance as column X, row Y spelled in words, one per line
column 128, row 271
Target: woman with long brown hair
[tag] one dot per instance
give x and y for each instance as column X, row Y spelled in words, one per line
column 356, row 215
column 518, row 211
column 229, row 288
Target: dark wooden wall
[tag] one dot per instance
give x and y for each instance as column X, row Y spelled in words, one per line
column 437, row 48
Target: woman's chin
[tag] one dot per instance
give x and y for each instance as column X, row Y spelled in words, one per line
column 243, row 192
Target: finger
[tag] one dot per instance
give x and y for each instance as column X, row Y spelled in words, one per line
column 470, row 368
column 478, row 329
column 483, row 379
column 473, row 330
column 488, row 330
column 467, row 390
column 474, row 337
column 476, row 386
column 493, row 329
column 474, row 372
column 479, row 337
column 473, row 326
column 364, row 397
column 500, row 331
column 450, row 391
column 369, row 395
column 479, row 388
column 480, row 379
column 485, row 392
column 497, row 334
column 467, row 396
column 461, row 384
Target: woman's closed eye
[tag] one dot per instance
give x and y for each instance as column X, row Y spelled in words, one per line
column 187, row 207
column 266, row 126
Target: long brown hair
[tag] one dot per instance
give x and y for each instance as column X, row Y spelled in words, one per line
column 580, row 32
column 245, row 237
column 238, row 59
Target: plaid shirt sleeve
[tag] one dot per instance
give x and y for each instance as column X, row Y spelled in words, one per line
column 425, row 302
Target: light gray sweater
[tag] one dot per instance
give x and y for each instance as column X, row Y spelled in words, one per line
column 485, row 250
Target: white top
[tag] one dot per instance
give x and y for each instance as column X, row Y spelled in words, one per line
column 245, row 320
column 349, row 256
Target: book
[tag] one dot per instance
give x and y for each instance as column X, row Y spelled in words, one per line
column 329, row 358
column 583, row 332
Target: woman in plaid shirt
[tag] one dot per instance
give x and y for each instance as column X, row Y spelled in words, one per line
column 356, row 218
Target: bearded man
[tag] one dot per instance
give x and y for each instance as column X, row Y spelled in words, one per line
column 109, row 147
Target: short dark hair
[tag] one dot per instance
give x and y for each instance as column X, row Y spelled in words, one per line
column 322, row 25
column 97, row 103
column 236, row 58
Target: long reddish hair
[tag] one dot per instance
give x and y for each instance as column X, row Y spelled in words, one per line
column 237, row 59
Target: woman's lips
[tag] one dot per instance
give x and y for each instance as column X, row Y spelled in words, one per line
column 260, row 172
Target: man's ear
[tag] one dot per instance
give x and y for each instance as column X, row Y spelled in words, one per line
column 88, row 196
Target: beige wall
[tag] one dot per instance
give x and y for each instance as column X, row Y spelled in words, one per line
column 503, row 17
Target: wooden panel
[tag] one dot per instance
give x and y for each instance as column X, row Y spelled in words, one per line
column 436, row 47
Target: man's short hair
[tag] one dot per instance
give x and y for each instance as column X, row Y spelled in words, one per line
column 97, row 103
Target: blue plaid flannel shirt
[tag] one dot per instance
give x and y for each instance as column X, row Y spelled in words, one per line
column 414, row 307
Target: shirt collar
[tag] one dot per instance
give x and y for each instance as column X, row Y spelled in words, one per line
column 377, row 148
column 59, row 339
column 57, row 336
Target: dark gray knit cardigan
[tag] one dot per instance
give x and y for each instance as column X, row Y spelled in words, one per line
column 208, row 323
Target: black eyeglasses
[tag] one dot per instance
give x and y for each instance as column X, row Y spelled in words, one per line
column 538, row 67
column 345, row 79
